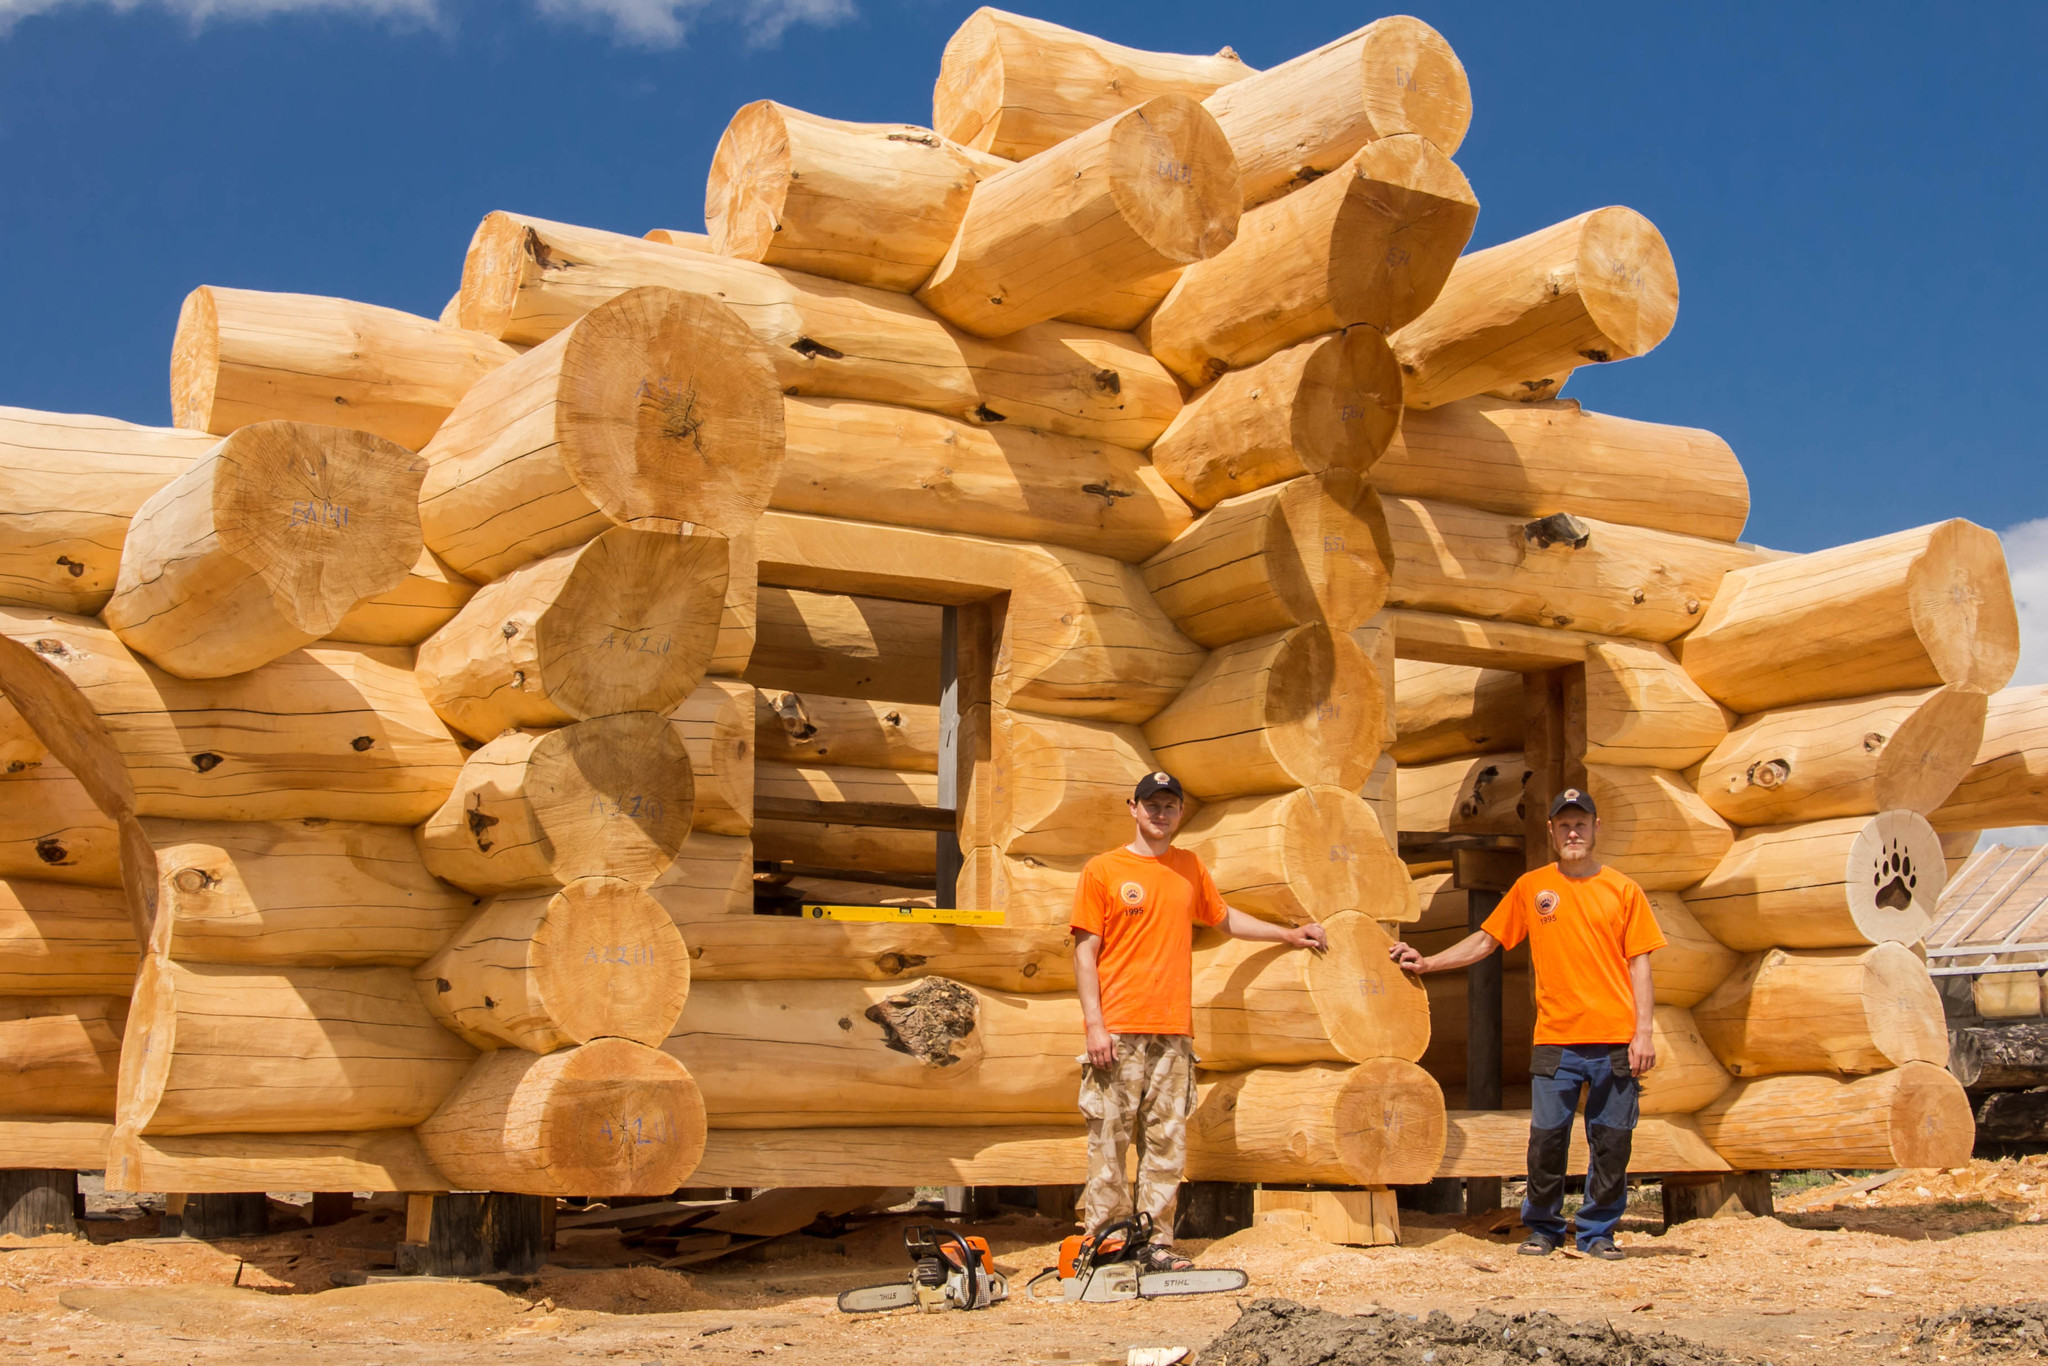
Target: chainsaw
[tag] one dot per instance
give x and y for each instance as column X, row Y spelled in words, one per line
column 1102, row 1267
column 952, row 1271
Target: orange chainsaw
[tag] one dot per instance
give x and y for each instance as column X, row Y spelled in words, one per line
column 951, row 1271
column 1103, row 1266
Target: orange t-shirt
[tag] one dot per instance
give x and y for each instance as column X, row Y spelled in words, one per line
column 1581, row 933
column 1145, row 910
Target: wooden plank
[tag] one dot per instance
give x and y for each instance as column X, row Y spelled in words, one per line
column 1442, row 638
column 1359, row 1218
column 878, row 815
column 1496, row 1143
column 790, row 1208
column 379, row 1160
column 58, row 1144
column 831, row 556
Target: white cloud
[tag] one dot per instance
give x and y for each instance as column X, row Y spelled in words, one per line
column 2026, row 555
column 200, row 11
column 664, row 23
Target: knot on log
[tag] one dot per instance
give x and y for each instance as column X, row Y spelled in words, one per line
column 789, row 709
column 927, row 1020
column 1559, row 528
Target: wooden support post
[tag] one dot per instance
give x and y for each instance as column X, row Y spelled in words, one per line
column 1213, row 1209
column 949, row 753
column 1553, row 749
column 216, row 1214
column 475, row 1233
column 971, row 1202
column 332, row 1207
column 1484, row 1044
column 1362, row 1217
column 1059, row 1203
column 36, row 1200
column 1718, row 1196
column 1444, row 1195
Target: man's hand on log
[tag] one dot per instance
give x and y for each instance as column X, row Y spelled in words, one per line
column 1309, row 936
column 1406, row 958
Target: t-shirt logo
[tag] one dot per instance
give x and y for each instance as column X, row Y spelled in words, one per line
column 1546, row 905
column 1132, row 894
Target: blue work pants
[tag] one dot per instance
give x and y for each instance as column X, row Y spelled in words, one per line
column 1600, row 1072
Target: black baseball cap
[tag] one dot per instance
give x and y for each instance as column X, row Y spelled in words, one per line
column 1571, row 796
column 1161, row 781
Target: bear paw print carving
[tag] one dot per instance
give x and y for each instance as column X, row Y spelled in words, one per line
column 1895, row 878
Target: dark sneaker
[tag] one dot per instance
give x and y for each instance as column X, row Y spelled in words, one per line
column 1537, row 1246
column 1604, row 1249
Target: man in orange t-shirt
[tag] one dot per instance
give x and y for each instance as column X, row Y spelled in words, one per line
column 1591, row 932
column 1134, row 922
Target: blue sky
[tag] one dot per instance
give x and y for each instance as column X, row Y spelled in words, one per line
column 1854, row 193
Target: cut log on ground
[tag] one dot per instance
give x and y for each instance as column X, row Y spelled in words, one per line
column 2007, row 1055
column 2007, row 784
column 872, row 203
column 1841, row 883
column 1350, row 999
column 337, row 732
column 1378, row 1123
column 550, row 969
column 1144, row 191
column 1496, row 1143
column 1595, row 288
column 657, row 409
column 264, row 1050
column 1371, row 243
column 1064, row 785
column 423, row 602
column 1902, row 751
column 310, row 893
column 1533, row 459
column 1292, row 709
column 815, row 728
column 532, row 809
column 625, row 622
column 1687, row 1075
column 1825, row 1010
column 63, row 1053
column 1015, row 86
column 836, row 645
column 1692, row 962
column 264, row 546
column 68, row 485
column 1570, row 571
column 1655, row 828
column 1083, row 637
column 59, row 940
column 1310, row 550
column 717, row 726
column 1915, row 609
column 525, row 279
column 51, row 830
column 872, row 462
column 243, row 356
column 1445, row 710
column 1474, row 794
column 1304, row 855
column 606, row 1118
column 1911, row 1116
column 1644, row 711
column 1301, row 120
column 1331, row 403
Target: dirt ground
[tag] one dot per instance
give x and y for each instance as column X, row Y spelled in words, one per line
column 1838, row 1276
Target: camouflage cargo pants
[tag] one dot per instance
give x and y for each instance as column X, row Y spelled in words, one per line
column 1145, row 1097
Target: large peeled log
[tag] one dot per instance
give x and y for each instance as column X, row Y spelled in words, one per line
column 1692, row 962
column 1444, row 710
column 1911, row 1116
column 218, row 1050
column 1292, row 709
column 1915, row 609
column 1654, row 827
column 62, row 1055
column 310, row 893
column 1826, row 1010
column 68, row 486
column 1310, row 550
column 545, row 970
column 813, row 728
column 1558, row 571
column 525, row 279
column 422, row 603
column 1083, row 637
column 1598, row 287
column 1296, row 122
column 265, row 545
column 1015, row 86
column 717, row 726
column 1153, row 188
column 611, row 796
column 2008, row 783
column 61, row 940
column 51, row 829
column 1643, row 711
column 625, row 622
column 843, row 646
column 1310, row 854
column 875, row 463
column 1064, row 784
column 1687, row 1074
column 727, row 947
column 1370, row 243
column 243, row 356
column 606, row 1118
column 1331, row 403
column 1902, row 751
column 1473, row 794
column 873, row 203
column 1349, row 998
column 658, row 409
column 1376, row 1123
column 1827, row 884
column 341, row 732
column 1533, row 459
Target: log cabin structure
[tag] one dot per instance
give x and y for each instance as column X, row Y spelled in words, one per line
column 433, row 813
